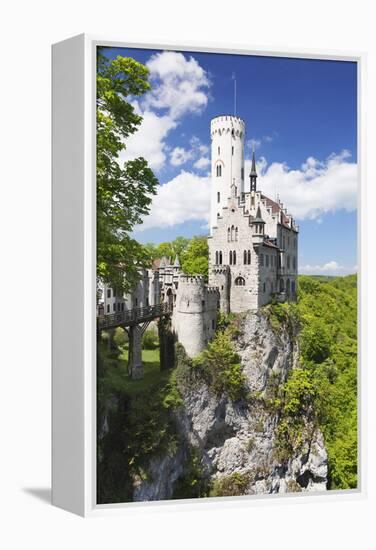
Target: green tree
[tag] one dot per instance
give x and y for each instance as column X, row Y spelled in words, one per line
column 222, row 368
column 124, row 192
column 195, row 258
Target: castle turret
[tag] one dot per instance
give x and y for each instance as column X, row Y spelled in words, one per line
column 258, row 228
column 227, row 154
column 195, row 314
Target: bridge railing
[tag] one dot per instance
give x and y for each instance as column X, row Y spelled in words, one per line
column 132, row 316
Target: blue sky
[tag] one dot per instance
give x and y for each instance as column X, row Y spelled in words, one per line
column 301, row 117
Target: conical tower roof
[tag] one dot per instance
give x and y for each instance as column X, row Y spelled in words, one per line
column 253, row 167
column 176, row 262
column 258, row 218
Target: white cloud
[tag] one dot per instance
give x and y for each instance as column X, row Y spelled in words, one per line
column 202, row 163
column 329, row 268
column 179, row 156
column 150, row 140
column 317, row 188
column 180, row 86
column 186, row 197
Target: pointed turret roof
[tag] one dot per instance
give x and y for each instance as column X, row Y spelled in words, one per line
column 176, row 262
column 253, row 167
column 258, row 218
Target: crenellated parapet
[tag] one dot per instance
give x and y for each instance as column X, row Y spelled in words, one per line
column 227, row 124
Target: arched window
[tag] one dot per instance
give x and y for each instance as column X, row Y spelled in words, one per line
column 236, row 234
column 293, row 287
column 239, row 281
column 234, row 257
column 232, row 232
column 220, row 257
column 216, row 258
column 219, row 170
column 230, row 257
column 281, row 286
column 249, row 257
column 245, row 257
column 218, row 197
column 219, row 150
column 228, row 235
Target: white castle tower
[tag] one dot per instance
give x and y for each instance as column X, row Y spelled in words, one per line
column 227, row 154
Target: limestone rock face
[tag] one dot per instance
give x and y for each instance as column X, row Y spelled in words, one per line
column 236, row 437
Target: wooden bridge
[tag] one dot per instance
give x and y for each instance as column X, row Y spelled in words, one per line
column 133, row 317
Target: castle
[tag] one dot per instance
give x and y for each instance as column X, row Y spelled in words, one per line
column 253, row 249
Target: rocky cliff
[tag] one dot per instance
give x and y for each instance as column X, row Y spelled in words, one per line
column 232, row 444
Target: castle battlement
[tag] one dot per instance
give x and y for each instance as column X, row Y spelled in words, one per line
column 227, row 124
column 197, row 280
column 212, row 289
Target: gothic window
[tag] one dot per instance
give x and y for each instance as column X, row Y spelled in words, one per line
column 232, row 150
column 219, row 150
column 239, row 281
column 234, row 257
column 245, row 257
column 249, row 257
column 236, row 234
column 230, row 257
column 233, row 132
column 232, row 232
column 218, row 197
column 281, row 286
column 242, row 174
column 228, row 235
column 216, row 258
column 293, row 287
column 219, row 170
column 220, row 257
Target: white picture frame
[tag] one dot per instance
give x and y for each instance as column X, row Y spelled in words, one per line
column 74, row 279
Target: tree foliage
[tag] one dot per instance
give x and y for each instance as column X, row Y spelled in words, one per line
column 322, row 392
column 221, row 367
column 123, row 191
column 195, row 257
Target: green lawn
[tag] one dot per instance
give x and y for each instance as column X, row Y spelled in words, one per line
column 117, row 370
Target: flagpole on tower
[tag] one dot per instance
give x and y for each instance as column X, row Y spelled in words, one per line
column 234, row 79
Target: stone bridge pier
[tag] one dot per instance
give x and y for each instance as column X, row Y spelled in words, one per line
column 135, row 366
